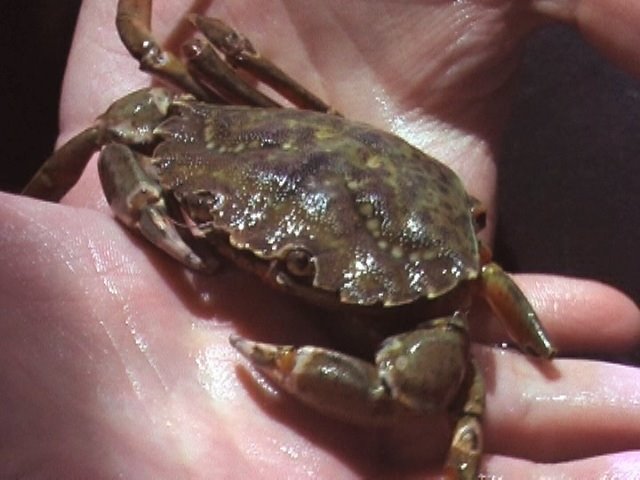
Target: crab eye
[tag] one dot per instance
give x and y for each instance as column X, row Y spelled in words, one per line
column 479, row 214
column 299, row 262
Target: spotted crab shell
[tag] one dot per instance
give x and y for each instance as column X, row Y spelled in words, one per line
column 384, row 223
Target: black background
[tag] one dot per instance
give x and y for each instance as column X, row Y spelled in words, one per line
column 569, row 175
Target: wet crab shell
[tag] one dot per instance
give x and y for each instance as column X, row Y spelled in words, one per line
column 383, row 223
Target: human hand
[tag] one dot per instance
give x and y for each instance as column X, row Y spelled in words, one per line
column 118, row 362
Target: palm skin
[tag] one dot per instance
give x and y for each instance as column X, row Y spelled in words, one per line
column 116, row 361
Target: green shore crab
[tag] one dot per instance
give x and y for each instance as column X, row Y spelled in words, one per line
column 342, row 215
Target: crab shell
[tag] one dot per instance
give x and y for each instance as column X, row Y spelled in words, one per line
column 381, row 222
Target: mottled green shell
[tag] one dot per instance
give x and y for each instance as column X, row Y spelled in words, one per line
column 385, row 223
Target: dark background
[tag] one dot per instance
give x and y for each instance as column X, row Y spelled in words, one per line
column 569, row 176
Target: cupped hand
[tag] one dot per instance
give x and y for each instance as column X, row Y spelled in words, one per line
column 116, row 361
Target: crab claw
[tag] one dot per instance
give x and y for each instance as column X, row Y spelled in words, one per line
column 274, row 361
column 330, row 382
column 137, row 201
column 415, row 372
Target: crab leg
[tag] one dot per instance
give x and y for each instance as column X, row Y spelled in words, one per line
column 465, row 453
column 513, row 308
column 133, row 22
column 63, row 169
column 217, row 74
column 240, row 53
column 130, row 119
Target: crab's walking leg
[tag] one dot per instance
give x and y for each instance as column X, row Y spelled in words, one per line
column 130, row 119
column 133, row 22
column 62, row 170
column 240, row 53
column 215, row 73
column 513, row 308
column 465, row 454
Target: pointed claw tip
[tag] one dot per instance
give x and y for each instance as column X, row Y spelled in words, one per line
column 546, row 351
column 242, row 345
column 549, row 351
column 541, row 346
column 273, row 360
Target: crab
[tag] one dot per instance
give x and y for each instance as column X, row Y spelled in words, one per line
column 344, row 216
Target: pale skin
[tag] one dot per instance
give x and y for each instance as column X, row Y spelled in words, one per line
column 116, row 362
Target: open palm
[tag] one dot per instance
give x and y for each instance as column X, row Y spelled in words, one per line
column 115, row 361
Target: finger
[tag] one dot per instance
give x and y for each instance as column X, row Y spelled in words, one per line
column 613, row 26
column 559, row 411
column 581, row 316
column 619, row 465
